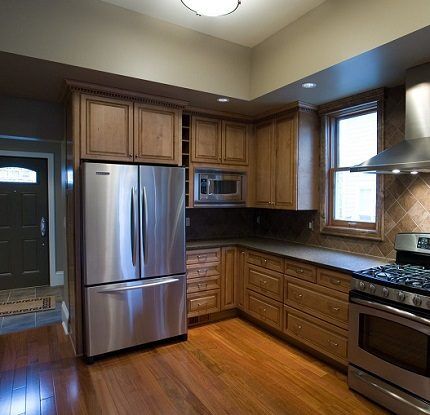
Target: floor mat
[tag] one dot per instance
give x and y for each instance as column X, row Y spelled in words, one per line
column 28, row 305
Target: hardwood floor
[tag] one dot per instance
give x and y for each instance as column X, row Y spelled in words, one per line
column 229, row 367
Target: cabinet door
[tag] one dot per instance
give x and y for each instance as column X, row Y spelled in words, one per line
column 157, row 134
column 106, row 129
column 240, row 279
column 263, row 174
column 228, row 277
column 234, row 143
column 206, row 140
column 286, row 163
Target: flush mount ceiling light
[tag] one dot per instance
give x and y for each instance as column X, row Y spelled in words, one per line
column 309, row 85
column 210, row 7
column 223, row 99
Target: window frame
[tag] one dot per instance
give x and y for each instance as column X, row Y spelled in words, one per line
column 331, row 114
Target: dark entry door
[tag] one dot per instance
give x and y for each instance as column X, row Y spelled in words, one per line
column 24, row 250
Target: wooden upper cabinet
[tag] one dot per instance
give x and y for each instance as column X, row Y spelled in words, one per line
column 106, row 128
column 285, row 162
column 234, row 143
column 263, row 165
column 206, row 140
column 156, row 134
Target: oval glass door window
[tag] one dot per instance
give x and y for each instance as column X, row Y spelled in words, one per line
column 17, row 175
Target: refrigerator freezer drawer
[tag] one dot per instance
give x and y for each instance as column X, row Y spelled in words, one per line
column 129, row 314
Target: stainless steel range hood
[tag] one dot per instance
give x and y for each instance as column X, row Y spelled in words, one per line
column 413, row 153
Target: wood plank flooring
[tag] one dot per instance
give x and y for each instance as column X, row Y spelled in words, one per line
column 229, row 367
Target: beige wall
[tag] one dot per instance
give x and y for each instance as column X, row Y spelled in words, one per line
column 97, row 35
column 333, row 32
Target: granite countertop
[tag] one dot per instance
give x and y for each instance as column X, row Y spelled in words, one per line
column 338, row 260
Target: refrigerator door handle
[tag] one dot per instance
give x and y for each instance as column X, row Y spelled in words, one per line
column 144, row 224
column 133, row 227
column 145, row 285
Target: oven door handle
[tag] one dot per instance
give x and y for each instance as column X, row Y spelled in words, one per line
column 390, row 309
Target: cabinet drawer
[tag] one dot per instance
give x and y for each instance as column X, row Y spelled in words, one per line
column 335, row 280
column 203, row 256
column 264, row 309
column 317, row 336
column 315, row 302
column 203, row 303
column 300, row 270
column 268, row 283
column 203, row 284
column 266, row 261
column 204, row 270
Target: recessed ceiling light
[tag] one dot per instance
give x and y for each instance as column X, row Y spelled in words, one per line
column 414, row 172
column 396, row 171
column 210, row 7
column 223, row 99
column 309, row 85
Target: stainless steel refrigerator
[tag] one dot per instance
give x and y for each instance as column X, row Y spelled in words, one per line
column 134, row 255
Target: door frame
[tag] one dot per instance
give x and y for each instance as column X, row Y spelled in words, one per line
column 55, row 278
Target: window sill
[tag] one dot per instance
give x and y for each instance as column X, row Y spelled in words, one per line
column 370, row 234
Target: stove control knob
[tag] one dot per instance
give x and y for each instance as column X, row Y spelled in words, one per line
column 362, row 285
column 372, row 288
column 385, row 292
column 401, row 296
column 417, row 300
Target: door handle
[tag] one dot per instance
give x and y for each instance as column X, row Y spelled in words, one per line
column 43, row 226
column 145, row 223
column 144, row 285
column 133, row 226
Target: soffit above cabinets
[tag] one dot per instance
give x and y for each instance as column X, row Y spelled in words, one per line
column 253, row 22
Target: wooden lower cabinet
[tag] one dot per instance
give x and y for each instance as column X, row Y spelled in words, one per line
column 265, row 282
column 240, row 279
column 202, row 303
column 228, row 275
column 324, row 337
column 318, row 301
column 264, row 309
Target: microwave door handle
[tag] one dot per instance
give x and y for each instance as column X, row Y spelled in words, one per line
column 210, row 183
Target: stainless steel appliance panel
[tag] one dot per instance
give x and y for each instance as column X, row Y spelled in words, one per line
column 138, row 312
column 387, row 395
column 218, row 188
column 394, row 354
column 111, row 223
column 162, row 207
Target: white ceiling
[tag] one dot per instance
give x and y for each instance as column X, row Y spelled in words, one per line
column 253, row 22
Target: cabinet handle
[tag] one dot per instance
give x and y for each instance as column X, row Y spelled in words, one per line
column 335, row 309
column 298, row 328
column 265, row 261
column 335, row 282
column 332, row 343
column 201, row 271
column 130, row 155
column 202, row 284
column 299, row 296
column 199, row 257
column 300, row 270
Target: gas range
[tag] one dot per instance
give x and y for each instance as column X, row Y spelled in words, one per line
column 407, row 281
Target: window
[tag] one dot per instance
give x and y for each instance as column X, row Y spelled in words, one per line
column 17, row 175
column 352, row 203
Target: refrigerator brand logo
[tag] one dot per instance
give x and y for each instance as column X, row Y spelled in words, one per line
column 102, row 173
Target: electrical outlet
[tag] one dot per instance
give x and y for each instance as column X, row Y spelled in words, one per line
column 311, row 225
column 258, row 220
column 187, row 222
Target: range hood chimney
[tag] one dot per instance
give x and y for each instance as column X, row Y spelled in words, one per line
column 413, row 153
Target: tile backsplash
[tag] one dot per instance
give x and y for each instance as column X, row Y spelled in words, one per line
column 406, row 207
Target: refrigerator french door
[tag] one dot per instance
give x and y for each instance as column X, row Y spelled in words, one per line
column 134, row 255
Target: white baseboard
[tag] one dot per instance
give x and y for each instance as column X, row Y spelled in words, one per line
column 57, row 279
column 65, row 317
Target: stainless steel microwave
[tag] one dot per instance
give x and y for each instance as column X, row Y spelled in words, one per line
column 217, row 188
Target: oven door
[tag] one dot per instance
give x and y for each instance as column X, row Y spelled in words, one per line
column 391, row 343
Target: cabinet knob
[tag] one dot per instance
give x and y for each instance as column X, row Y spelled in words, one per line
column 332, row 343
column 335, row 282
column 130, row 155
